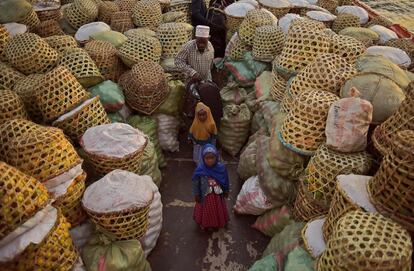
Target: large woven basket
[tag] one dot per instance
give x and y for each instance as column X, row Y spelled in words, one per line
column 22, row 197
column 31, row 20
column 182, row 6
column 91, row 113
column 268, row 42
column 174, row 17
column 48, row 10
column 61, row 43
column 392, row 188
column 104, row 54
column 347, row 47
column 4, row 38
column 306, row 207
column 287, row 101
column 145, row 87
column 303, row 129
column 363, row 241
column 140, row 48
column 12, row 106
column 49, row 28
column 278, row 87
column 329, row 5
column 344, row 20
column 147, row 13
column 9, row 76
column 105, row 11
column 126, row 5
column 58, row 92
column 24, row 88
column 254, row 19
column 121, row 21
column 29, row 53
column 81, row 12
column 239, row 49
column 172, row 37
column 326, row 165
column 305, row 24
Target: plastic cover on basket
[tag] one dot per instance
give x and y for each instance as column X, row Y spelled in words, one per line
column 313, row 238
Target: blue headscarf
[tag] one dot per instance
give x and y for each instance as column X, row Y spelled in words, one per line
column 218, row 172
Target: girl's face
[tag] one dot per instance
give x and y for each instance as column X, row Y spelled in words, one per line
column 202, row 115
column 210, row 159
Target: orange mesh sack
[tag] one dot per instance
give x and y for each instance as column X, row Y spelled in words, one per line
column 104, row 54
column 346, row 47
column 81, row 12
column 268, row 42
column 303, row 129
column 11, row 106
column 4, row 38
column 121, row 21
column 364, row 241
column 119, row 203
column 29, row 53
column 391, row 189
column 145, row 86
column 254, row 18
column 105, row 11
column 61, row 43
column 24, row 88
column 49, row 28
column 344, row 20
column 140, row 48
column 21, row 197
column 9, row 76
column 147, row 13
column 172, row 37
column 58, row 92
column 81, row 65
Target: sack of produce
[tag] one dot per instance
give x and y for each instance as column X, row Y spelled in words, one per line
column 110, row 94
column 268, row 263
column 251, row 102
column 14, row 10
column 150, row 165
column 348, row 123
column 174, row 103
column 396, row 55
column 168, row 127
column 273, row 221
column 116, row 117
column 269, row 109
column 234, row 128
column 263, row 86
column 115, row 38
column 385, row 34
column 246, row 167
column 257, row 122
column 233, row 94
column 81, row 234
column 285, row 241
column 251, row 199
column 365, row 35
column 299, row 259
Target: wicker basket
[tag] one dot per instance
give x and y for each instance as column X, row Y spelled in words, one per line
column 140, row 48
column 104, row 54
column 61, row 43
column 31, row 20
column 363, row 241
column 174, row 17
column 145, row 87
column 147, row 13
column 404, row 44
column 22, row 196
column 58, row 92
column 81, row 65
column 254, row 19
column 29, row 53
column 121, row 21
column 287, row 101
column 347, row 47
column 9, row 76
column 344, row 20
column 275, row 7
column 12, row 106
column 81, row 12
column 392, row 188
column 4, row 38
column 233, row 22
column 24, row 88
column 126, row 5
column 329, row 5
column 182, row 6
column 278, row 88
column 380, row 20
column 91, row 113
column 172, row 37
column 306, row 24
column 305, row 207
column 239, row 49
column 48, row 11
column 326, row 165
column 303, row 129
column 105, row 11
column 49, row 28
column 268, row 42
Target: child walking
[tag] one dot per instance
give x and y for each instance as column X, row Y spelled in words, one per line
column 210, row 188
column 203, row 130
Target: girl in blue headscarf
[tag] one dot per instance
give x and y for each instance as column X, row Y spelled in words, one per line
column 210, row 188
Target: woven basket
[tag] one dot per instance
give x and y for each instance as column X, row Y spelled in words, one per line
column 147, row 13
column 90, row 115
column 121, row 21
column 182, row 7
column 233, row 23
column 29, row 53
column 70, row 204
column 254, row 19
column 49, row 28
column 81, row 12
column 104, row 54
column 172, row 37
column 4, row 38
column 279, row 12
column 140, row 48
column 303, row 129
column 239, row 49
column 404, row 44
column 392, row 188
column 105, row 11
column 22, row 197
column 268, row 42
column 51, row 12
column 58, row 92
column 24, row 88
column 12, row 106
column 174, row 17
column 287, row 102
column 305, row 24
column 61, row 43
column 278, row 87
column 328, row 72
column 402, row 119
column 380, row 20
column 364, row 241
column 81, row 65
column 9, row 76
column 305, row 207
column 126, row 5
column 329, row 5
column 326, row 165
column 347, row 47
column 31, row 20
column 145, row 87
column 344, row 20
column 43, row 155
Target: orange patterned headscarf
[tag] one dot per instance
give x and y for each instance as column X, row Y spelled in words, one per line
column 203, row 130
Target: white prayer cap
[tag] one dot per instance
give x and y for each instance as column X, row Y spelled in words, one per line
column 202, row 31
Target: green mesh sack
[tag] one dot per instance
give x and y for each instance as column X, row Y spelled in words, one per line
column 273, row 221
column 285, row 241
column 116, row 117
column 299, row 259
column 110, row 94
column 174, row 103
column 267, row 263
column 150, row 164
column 232, row 93
column 247, row 162
column 115, row 38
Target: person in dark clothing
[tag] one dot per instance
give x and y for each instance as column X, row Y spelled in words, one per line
column 198, row 13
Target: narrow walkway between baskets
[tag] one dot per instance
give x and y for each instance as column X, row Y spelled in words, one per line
column 182, row 245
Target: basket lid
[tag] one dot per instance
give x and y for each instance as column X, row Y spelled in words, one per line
column 15, row 28
column 275, row 3
column 314, row 237
column 87, row 30
column 118, row 190
column 238, row 9
column 321, row 16
column 355, row 186
column 299, row 3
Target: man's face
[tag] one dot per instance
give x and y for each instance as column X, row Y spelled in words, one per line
column 202, row 44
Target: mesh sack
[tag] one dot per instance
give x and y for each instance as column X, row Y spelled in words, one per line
column 145, row 86
column 326, row 165
column 303, row 129
column 344, row 20
column 9, row 76
column 22, row 197
column 140, row 48
column 121, row 21
column 246, row 167
column 104, row 54
column 363, row 241
column 279, row 8
column 183, row 6
column 61, row 43
column 29, row 53
column 105, row 11
column 172, row 37
column 391, row 189
column 306, row 207
column 81, row 12
column 347, row 47
column 174, row 17
column 268, row 42
column 147, row 13
column 31, row 20
column 126, row 5
column 404, row 44
column 24, row 88
column 11, row 105
column 254, row 18
column 329, row 5
column 49, row 28
column 150, row 164
column 81, row 65
column 278, row 87
column 4, row 38
column 89, row 114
